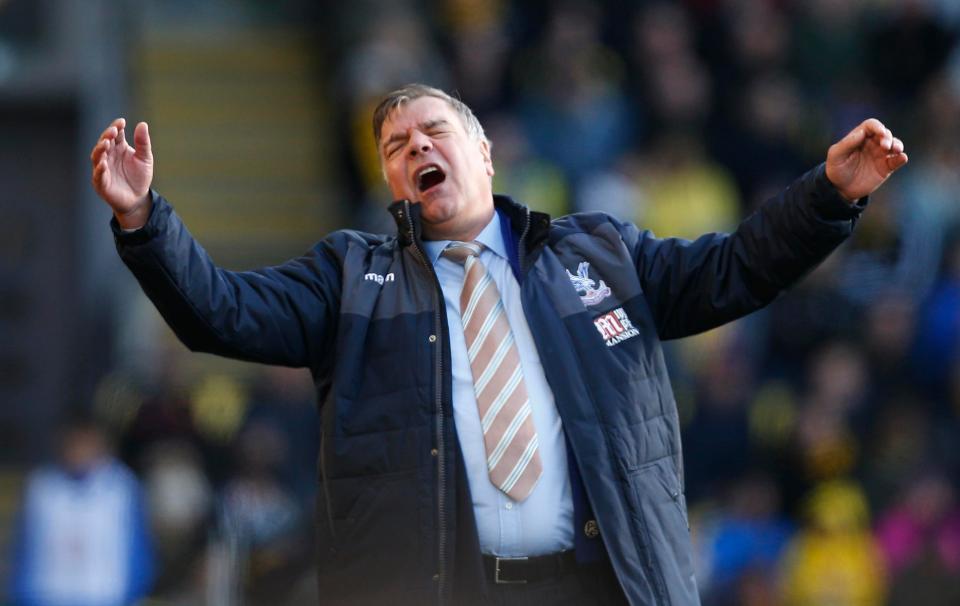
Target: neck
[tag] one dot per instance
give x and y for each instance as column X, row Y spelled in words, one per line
column 461, row 231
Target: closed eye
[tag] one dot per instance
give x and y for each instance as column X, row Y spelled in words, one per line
column 431, row 128
column 435, row 127
column 394, row 144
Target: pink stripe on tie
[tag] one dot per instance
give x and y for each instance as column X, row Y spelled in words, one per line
column 510, row 439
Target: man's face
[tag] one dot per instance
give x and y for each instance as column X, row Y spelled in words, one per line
column 428, row 157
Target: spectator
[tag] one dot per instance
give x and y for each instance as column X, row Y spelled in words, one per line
column 833, row 559
column 82, row 537
column 747, row 541
column 920, row 539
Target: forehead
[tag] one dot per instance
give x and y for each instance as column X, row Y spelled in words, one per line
column 417, row 112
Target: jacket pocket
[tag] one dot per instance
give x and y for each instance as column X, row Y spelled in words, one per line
column 375, row 539
column 658, row 510
column 662, row 473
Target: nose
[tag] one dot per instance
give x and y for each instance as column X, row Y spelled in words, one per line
column 419, row 144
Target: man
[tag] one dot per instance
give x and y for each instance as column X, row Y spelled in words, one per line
column 498, row 426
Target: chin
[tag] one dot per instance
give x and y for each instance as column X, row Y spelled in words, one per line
column 438, row 210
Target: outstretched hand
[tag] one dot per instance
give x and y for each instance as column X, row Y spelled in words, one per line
column 860, row 162
column 122, row 174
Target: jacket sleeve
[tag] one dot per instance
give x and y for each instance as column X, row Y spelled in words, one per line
column 283, row 315
column 692, row 286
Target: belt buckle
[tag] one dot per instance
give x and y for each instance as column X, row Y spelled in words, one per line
column 496, row 572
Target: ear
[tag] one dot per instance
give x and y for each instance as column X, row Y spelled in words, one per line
column 487, row 158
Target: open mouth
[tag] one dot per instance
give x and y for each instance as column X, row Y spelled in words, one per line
column 430, row 176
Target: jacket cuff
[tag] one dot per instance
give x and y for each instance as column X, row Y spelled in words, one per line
column 144, row 233
column 828, row 203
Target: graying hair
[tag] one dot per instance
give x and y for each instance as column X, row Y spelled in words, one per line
column 410, row 92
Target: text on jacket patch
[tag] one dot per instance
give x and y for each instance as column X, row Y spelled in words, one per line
column 615, row 327
column 379, row 278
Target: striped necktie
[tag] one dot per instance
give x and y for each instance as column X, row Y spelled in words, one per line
column 509, row 437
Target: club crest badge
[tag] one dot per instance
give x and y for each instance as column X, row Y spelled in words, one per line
column 589, row 292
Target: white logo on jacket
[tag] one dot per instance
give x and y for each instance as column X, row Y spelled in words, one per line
column 379, row 278
column 583, row 284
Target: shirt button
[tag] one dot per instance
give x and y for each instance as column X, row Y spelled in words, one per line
column 591, row 530
column 432, row 338
column 509, row 505
column 434, row 452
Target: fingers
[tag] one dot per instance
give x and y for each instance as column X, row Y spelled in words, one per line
column 876, row 130
column 891, row 148
column 856, row 138
column 101, row 176
column 107, row 140
column 98, row 157
column 896, row 146
column 895, row 156
column 895, row 161
column 111, row 131
column 853, row 140
column 886, row 140
column 869, row 132
column 96, row 153
column 108, row 134
column 98, row 171
column 99, row 150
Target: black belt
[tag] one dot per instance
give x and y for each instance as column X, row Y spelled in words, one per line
column 530, row 569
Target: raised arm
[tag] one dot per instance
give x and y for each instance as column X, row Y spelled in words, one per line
column 692, row 286
column 277, row 315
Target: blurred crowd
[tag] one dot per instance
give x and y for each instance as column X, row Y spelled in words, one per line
column 179, row 487
column 821, row 435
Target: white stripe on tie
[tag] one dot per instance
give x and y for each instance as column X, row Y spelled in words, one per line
column 475, row 298
column 522, row 463
column 502, row 350
column 497, row 404
column 509, row 436
column 485, row 329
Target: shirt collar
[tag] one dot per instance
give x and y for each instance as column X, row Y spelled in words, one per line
column 491, row 237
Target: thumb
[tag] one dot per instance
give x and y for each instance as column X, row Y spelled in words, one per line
column 856, row 138
column 852, row 140
column 141, row 142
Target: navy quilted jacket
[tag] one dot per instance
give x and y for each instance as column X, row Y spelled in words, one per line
column 365, row 314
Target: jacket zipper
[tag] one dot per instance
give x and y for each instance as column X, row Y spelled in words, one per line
column 521, row 249
column 441, row 449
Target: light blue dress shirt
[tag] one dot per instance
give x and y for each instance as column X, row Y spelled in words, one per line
column 543, row 522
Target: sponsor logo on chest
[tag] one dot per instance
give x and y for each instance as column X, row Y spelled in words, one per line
column 615, row 327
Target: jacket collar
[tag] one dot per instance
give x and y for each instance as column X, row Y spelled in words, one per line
column 531, row 226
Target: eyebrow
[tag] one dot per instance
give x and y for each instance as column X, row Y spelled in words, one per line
column 427, row 125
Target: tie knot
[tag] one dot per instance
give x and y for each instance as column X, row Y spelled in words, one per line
column 461, row 251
